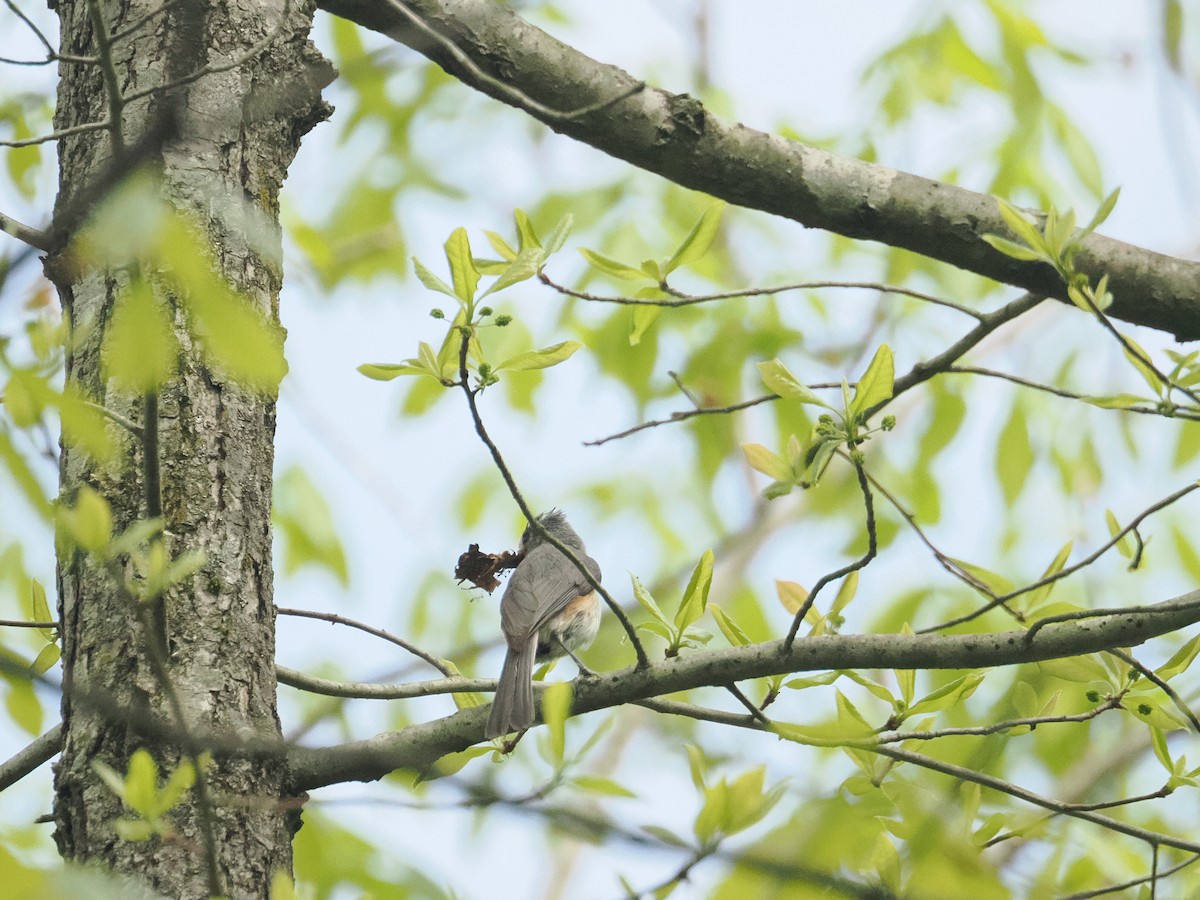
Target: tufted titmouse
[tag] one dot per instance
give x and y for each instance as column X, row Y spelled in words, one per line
column 548, row 610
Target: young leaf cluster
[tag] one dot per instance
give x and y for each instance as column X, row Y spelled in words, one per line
column 677, row 631
column 517, row 264
column 140, row 792
column 843, row 427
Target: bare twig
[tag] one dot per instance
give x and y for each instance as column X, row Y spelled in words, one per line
column 872, row 547
column 679, row 298
column 999, row 600
column 17, row 623
column 920, row 373
column 895, row 737
column 336, row 619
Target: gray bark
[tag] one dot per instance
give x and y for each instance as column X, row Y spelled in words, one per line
column 220, row 146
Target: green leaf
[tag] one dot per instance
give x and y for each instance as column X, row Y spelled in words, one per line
column 140, row 349
column 526, row 237
column 845, row 593
column 1140, row 360
column 46, row 659
column 779, row 380
column 239, row 341
column 134, row 830
column 596, row 784
column 1180, row 660
column 463, row 275
column 1103, row 212
column 1117, row 401
column 1022, row 227
column 770, row 464
column 612, row 267
column 558, row 236
column 388, row 371
column 141, row 783
column 90, row 521
column 876, row 384
column 644, row 597
column 449, row 763
column 524, row 267
column 306, row 523
column 1034, row 598
column 948, row 695
column 695, row 597
column 501, row 246
column 540, row 359
column 995, row 583
column 39, row 605
column 643, row 316
column 431, row 281
column 1015, row 250
column 1114, row 528
column 556, row 708
column 699, row 239
column 732, row 631
column 179, row 782
column 791, row 595
column 1014, row 455
column 25, row 398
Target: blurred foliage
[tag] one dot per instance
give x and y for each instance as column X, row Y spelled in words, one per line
column 1029, row 482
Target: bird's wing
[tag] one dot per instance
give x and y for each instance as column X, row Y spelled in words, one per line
column 543, row 583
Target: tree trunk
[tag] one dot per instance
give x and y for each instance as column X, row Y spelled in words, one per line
column 219, row 147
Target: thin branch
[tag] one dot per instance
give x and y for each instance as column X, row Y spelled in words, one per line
column 156, row 655
column 988, row 323
column 112, row 82
column 894, row 737
column 17, row 623
column 128, row 424
column 217, row 68
column 336, row 619
column 872, row 548
column 936, row 765
column 550, row 539
column 150, row 463
column 999, row 600
column 511, row 95
column 1125, row 886
column 945, row 561
column 751, row 707
column 686, row 414
column 16, row 10
column 679, row 298
column 920, row 373
column 36, row 754
column 137, row 24
column 39, row 240
column 85, row 128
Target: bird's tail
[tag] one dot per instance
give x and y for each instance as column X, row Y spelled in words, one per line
column 512, row 710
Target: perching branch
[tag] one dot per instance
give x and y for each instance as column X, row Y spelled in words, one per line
column 418, row 746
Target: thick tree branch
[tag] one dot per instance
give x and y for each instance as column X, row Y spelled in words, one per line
column 674, row 136
column 417, row 746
